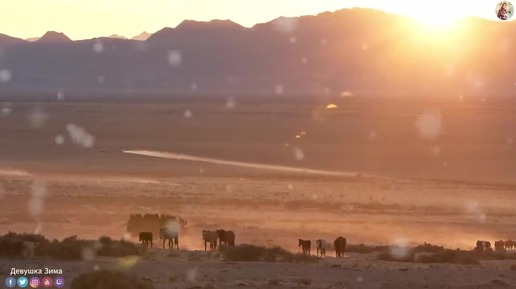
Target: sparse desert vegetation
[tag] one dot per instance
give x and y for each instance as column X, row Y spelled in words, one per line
column 71, row 248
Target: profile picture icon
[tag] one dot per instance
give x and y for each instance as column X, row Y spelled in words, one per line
column 504, row 10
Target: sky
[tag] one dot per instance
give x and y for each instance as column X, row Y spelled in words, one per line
column 80, row 19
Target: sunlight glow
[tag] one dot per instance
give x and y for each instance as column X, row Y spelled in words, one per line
column 130, row 17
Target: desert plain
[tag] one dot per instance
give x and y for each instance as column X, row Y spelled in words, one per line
column 377, row 170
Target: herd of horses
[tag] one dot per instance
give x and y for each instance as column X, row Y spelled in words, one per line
column 226, row 237
column 213, row 238
column 321, row 245
column 161, row 224
column 500, row 246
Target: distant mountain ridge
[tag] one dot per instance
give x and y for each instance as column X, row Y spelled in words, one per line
column 54, row 37
column 142, row 36
column 358, row 50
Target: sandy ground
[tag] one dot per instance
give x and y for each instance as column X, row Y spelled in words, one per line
column 449, row 182
column 207, row 270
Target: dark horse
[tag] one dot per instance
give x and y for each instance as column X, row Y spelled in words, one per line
column 305, row 245
column 226, row 237
column 146, row 238
column 340, row 246
column 483, row 246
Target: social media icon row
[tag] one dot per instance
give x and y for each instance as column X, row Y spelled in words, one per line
column 35, row 282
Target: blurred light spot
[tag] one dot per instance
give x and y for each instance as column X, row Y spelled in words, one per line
column 37, row 117
column 36, row 202
column 346, row 94
column 331, row 105
column 172, row 226
column 101, row 79
column 231, row 103
column 298, row 136
column 365, row 47
column 304, row 60
column 88, row 254
column 290, row 187
column 59, row 139
column 96, row 268
column 315, row 197
column 474, row 211
column 293, row 40
column 303, row 133
column 508, row 140
column 372, row 135
column 39, row 228
column 194, row 86
column 461, row 97
column 436, row 151
column 429, row 124
column 298, row 154
column 285, row 25
column 279, row 90
column 360, row 279
column 6, row 109
column 400, row 249
column 188, row 113
column 327, row 90
column 324, row 41
column 175, row 58
column 98, row 46
column 80, row 136
column 445, row 164
column 5, row 75
column 191, row 275
column 126, row 237
column 60, row 95
column 286, row 144
column 39, row 189
column 128, row 262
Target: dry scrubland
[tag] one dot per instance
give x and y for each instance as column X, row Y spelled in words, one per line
column 440, row 177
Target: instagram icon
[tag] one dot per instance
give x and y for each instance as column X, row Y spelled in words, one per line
column 34, row 282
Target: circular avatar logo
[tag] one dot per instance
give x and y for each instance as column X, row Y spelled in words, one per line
column 504, row 10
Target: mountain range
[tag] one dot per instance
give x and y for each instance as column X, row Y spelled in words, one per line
column 357, row 50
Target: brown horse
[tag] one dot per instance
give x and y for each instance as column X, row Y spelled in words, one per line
column 340, row 246
column 305, row 245
column 146, row 238
column 226, row 237
column 210, row 237
column 500, row 246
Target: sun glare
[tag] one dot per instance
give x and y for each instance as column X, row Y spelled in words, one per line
column 435, row 16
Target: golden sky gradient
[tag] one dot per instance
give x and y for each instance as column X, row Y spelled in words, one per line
column 80, row 19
